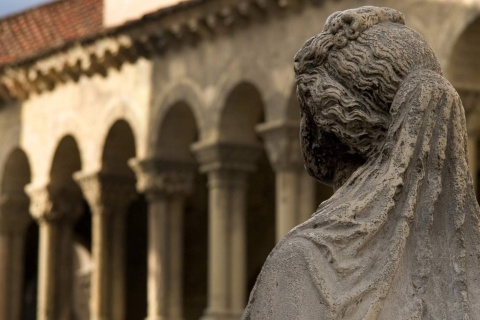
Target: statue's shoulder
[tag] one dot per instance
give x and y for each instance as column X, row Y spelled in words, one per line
column 424, row 86
column 428, row 78
column 284, row 290
column 291, row 252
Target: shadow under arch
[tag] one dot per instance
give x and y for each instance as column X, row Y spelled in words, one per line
column 16, row 173
column 464, row 73
column 185, row 92
column 129, row 230
column 177, row 131
column 243, row 110
column 118, row 148
column 463, row 70
column 16, row 176
column 67, row 195
column 66, row 161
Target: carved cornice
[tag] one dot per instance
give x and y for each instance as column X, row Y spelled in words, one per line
column 14, row 215
column 159, row 176
column 54, row 204
column 107, row 193
column 226, row 156
column 154, row 34
column 283, row 144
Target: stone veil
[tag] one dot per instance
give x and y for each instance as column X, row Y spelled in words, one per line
column 400, row 237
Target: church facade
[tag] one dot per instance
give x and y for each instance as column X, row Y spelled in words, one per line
column 148, row 167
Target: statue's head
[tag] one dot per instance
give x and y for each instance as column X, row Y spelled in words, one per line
column 347, row 78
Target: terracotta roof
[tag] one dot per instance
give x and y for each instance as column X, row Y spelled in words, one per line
column 33, row 31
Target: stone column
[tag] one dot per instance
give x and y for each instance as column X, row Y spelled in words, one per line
column 109, row 197
column 295, row 190
column 14, row 220
column 227, row 166
column 56, row 210
column 165, row 184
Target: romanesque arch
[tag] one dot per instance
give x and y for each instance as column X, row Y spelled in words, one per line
column 128, row 230
column 186, row 228
column 118, row 148
column 177, row 131
column 187, row 93
column 57, row 207
column 243, row 110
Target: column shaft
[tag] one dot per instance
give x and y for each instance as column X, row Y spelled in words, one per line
column 287, row 183
column 56, row 209
column 14, row 220
column 54, row 300
column 11, row 275
column 166, row 185
column 307, row 196
column 227, row 245
column 218, row 279
column 157, row 277
column 165, row 257
column 227, row 166
column 101, row 295
column 176, row 257
column 238, row 256
column 109, row 197
column 118, row 271
column 48, row 234
column 108, row 284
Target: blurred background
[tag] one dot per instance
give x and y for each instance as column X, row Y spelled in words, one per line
column 149, row 150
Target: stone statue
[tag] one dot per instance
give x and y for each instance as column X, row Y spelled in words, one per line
column 400, row 238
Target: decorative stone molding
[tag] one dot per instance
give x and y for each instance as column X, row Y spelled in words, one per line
column 54, row 204
column 283, row 144
column 106, row 191
column 14, row 216
column 155, row 176
column 226, row 156
column 154, row 34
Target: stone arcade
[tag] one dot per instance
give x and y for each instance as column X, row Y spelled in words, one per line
column 184, row 123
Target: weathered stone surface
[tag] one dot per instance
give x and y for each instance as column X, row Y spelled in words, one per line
column 400, row 237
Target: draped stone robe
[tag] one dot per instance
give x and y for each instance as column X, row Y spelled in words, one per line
column 400, row 239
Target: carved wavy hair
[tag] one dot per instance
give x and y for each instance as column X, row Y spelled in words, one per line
column 347, row 76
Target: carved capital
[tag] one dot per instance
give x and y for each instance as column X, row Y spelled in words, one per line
column 283, row 144
column 226, row 156
column 54, row 204
column 107, row 193
column 158, row 176
column 14, row 215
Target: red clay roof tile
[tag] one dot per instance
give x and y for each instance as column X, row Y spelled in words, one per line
column 39, row 29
